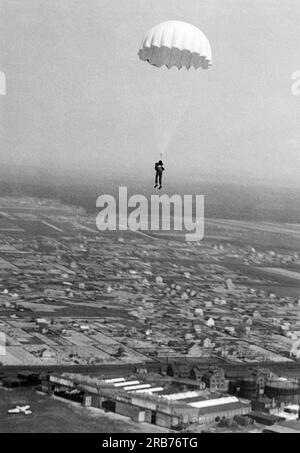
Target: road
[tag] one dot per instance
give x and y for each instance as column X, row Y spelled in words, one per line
column 288, row 368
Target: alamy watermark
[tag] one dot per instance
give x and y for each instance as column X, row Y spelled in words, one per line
column 2, row 84
column 162, row 213
column 295, row 88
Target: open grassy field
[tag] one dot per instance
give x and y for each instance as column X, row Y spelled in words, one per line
column 53, row 415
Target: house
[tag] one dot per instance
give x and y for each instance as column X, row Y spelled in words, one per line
column 47, row 354
column 179, row 370
column 215, row 380
column 196, row 374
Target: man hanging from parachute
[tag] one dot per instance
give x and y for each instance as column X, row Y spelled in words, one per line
column 179, row 44
column 158, row 175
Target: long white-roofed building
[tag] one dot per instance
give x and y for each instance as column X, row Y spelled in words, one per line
column 155, row 401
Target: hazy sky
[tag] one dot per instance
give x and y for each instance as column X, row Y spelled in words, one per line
column 78, row 97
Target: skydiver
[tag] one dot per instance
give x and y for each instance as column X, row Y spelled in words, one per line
column 158, row 175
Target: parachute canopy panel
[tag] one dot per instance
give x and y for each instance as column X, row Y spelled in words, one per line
column 176, row 43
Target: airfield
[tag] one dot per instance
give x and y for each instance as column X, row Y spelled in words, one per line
column 54, row 415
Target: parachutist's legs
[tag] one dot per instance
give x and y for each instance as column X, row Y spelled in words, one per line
column 159, row 179
column 156, row 179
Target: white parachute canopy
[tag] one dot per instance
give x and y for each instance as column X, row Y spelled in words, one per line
column 176, row 43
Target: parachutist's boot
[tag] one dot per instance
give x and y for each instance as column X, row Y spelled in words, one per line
column 155, row 186
column 160, row 187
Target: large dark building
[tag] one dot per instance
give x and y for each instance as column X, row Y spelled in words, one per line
column 215, row 380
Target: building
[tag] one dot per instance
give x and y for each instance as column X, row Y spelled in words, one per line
column 179, row 370
column 196, row 374
column 279, row 429
column 283, row 390
column 215, row 380
column 228, row 407
column 144, row 403
column 262, row 404
column 250, row 384
column 264, row 419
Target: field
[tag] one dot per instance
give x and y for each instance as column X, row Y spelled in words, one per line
column 52, row 415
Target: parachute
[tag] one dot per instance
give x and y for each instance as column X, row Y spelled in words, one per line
column 178, row 44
